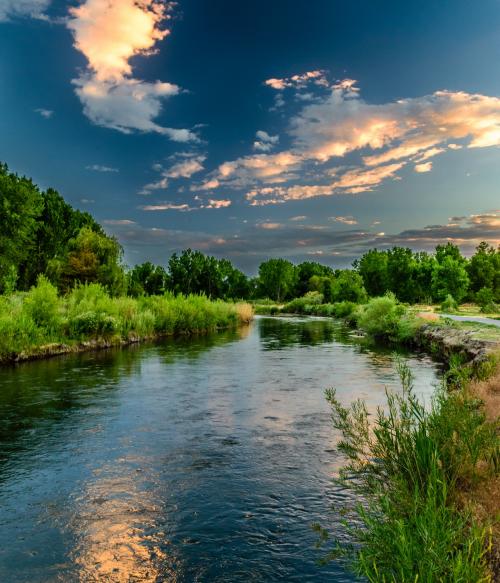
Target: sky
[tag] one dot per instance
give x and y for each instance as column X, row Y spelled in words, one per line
column 249, row 130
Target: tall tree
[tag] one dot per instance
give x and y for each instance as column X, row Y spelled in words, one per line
column 372, row 267
column 20, row 206
column 276, row 278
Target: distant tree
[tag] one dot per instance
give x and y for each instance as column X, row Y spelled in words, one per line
column 276, row 278
column 401, row 270
column 449, row 250
column 372, row 267
column 425, row 265
column 147, row 279
column 305, row 271
column 20, row 206
column 450, row 278
column 484, row 270
column 348, row 286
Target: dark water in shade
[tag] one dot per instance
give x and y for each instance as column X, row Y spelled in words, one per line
column 191, row 460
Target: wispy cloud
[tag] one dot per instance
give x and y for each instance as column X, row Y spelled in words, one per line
column 350, row 220
column 184, row 207
column 46, row 113
column 185, row 165
column 101, row 168
column 19, row 8
column 109, row 33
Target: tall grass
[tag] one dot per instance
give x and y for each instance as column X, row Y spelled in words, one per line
column 40, row 317
column 407, row 465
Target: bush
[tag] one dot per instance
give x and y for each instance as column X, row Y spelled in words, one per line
column 92, row 324
column 386, row 319
column 449, row 304
column 406, row 465
column 41, row 304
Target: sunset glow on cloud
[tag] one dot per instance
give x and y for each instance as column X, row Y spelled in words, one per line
column 109, row 33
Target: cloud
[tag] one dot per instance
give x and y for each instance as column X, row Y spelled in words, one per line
column 22, row 8
column 298, row 218
column 119, row 222
column 188, row 165
column 110, row 33
column 298, row 81
column 101, row 168
column 380, row 140
column 46, row 113
column 184, row 207
column 425, row 167
column 344, row 220
column 264, row 142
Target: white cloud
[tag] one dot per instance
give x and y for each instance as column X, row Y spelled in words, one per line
column 109, row 33
column 185, row 168
column 264, row 142
column 21, row 8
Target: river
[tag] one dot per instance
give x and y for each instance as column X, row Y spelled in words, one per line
column 191, row 460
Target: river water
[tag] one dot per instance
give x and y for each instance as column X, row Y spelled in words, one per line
column 189, row 460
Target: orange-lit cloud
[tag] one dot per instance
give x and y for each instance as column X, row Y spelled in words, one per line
column 109, row 33
column 386, row 138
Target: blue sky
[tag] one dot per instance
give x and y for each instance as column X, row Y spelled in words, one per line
column 258, row 129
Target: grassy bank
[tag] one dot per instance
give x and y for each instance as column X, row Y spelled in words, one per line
column 41, row 322
column 428, row 479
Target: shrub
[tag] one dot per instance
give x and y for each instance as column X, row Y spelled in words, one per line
column 386, row 319
column 406, row 465
column 41, row 304
column 449, row 304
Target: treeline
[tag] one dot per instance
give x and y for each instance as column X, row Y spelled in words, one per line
column 42, row 234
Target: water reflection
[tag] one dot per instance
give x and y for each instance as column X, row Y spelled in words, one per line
column 201, row 459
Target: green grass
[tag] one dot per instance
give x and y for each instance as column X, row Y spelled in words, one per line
column 407, row 464
column 40, row 317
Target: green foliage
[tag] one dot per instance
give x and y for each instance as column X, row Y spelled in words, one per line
column 305, row 271
column 20, row 206
column 450, row 278
column 406, row 464
column 449, row 304
column 40, row 317
column 348, row 287
column 372, row 267
column 385, row 319
column 277, row 278
column 147, row 279
column 484, row 271
column 41, row 304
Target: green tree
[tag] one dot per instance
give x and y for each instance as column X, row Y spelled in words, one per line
column 348, row 287
column 276, row 278
column 484, row 270
column 450, row 278
column 305, row 271
column 424, row 270
column 401, row 270
column 372, row 267
column 92, row 258
column 147, row 279
column 20, row 205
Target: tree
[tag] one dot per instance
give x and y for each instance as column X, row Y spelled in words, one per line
column 348, row 287
column 484, row 270
column 449, row 250
column 92, row 258
column 424, row 269
column 401, row 273
column 305, row 271
column 450, row 278
column 20, row 205
column 373, row 269
column 147, row 279
column 276, row 278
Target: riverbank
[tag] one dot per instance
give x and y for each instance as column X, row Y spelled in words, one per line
column 41, row 324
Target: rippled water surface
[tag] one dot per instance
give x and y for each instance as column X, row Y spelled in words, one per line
column 192, row 460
